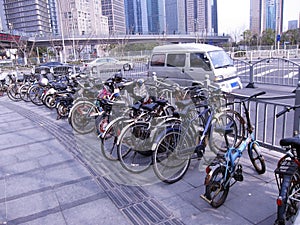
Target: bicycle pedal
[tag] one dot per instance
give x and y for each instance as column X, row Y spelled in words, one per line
column 238, row 176
column 205, row 198
column 199, row 151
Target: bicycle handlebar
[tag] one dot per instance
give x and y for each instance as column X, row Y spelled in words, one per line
column 255, row 95
column 287, row 109
column 248, row 98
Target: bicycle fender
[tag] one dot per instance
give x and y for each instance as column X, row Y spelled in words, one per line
column 111, row 123
column 74, row 106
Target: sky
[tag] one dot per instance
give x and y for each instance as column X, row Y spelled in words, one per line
column 234, row 15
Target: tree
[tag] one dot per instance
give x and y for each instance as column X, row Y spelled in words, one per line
column 268, row 37
column 247, row 36
column 291, row 36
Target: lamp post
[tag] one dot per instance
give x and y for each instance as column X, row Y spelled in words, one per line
column 10, row 27
column 73, row 26
column 62, row 32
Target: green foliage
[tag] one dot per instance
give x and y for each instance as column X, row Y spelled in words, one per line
column 291, row 36
column 268, row 37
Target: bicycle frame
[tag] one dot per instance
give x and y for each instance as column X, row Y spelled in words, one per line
column 232, row 157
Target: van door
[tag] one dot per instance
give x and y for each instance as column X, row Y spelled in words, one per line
column 176, row 63
column 199, row 66
column 170, row 66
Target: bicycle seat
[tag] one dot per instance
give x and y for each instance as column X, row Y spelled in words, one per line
column 161, row 102
column 293, row 141
column 150, row 107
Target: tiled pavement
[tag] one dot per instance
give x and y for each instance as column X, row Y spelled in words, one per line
column 50, row 175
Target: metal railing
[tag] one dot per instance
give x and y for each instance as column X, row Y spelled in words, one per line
column 269, row 129
column 260, row 54
column 277, row 71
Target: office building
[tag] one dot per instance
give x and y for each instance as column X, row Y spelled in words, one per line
column 214, row 17
column 156, row 16
column 114, row 11
column 81, row 18
column 28, row 16
column 292, row 24
column 175, row 16
column 199, row 16
column 266, row 14
column 136, row 16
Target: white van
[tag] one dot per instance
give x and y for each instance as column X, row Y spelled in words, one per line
column 188, row 63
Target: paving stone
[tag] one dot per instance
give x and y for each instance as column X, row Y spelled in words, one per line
column 80, row 190
column 53, row 219
column 19, row 167
column 65, row 172
column 32, row 206
column 25, row 183
column 14, row 125
column 23, row 137
column 96, row 212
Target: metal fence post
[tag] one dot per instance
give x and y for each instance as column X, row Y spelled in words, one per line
column 297, row 111
column 251, row 78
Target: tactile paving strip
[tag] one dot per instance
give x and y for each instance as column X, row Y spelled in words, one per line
column 133, row 201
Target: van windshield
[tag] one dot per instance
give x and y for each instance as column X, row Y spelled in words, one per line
column 220, row 59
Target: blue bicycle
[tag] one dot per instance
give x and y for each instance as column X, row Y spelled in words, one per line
column 225, row 167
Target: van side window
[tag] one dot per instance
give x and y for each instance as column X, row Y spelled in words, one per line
column 199, row 60
column 158, row 60
column 176, row 60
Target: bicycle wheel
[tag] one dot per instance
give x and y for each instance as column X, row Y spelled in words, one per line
column 109, row 138
column 293, row 198
column 49, row 101
column 289, row 193
column 83, row 117
column 24, row 92
column 35, row 94
column 216, row 191
column 223, row 133
column 62, row 110
column 134, row 148
column 13, row 93
column 241, row 125
column 168, row 164
column 256, row 158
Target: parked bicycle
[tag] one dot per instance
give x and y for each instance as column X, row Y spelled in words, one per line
column 87, row 115
column 176, row 146
column 226, row 170
column 140, row 97
column 287, row 176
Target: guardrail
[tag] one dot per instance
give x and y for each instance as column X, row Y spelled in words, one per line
column 260, row 54
column 277, row 71
column 269, row 129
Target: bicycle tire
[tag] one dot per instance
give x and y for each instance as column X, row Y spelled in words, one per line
column 134, row 150
column 256, row 158
column 241, row 125
column 62, row 110
column 13, row 93
column 35, row 96
column 215, row 187
column 109, row 139
column 223, row 127
column 286, row 211
column 24, row 92
column 82, row 118
column 49, row 101
column 168, row 165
